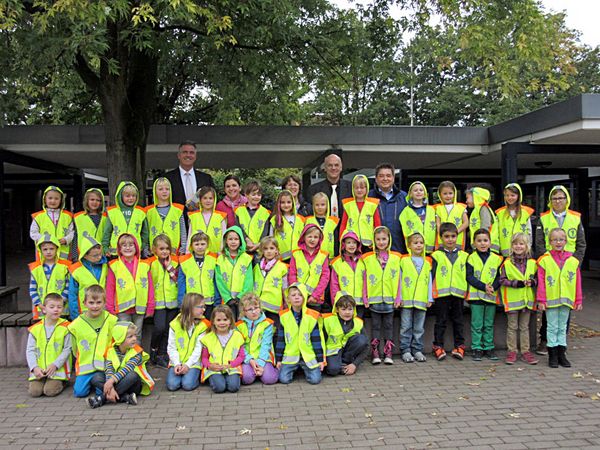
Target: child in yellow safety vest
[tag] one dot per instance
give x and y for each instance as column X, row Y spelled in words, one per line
column 125, row 375
column 346, row 343
column 129, row 286
column 91, row 269
column 164, row 267
column 483, row 278
column 419, row 216
column 482, row 216
column 208, row 220
column 285, row 225
column 253, row 218
column 166, row 217
column 49, row 350
column 222, row 352
column 518, row 281
column 90, row 222
column 92, row 333
column 49, row 274
column 185, row 348
column 513, row 217
column 257, row 330
column 449, row 210
column 558, row 292
column 417, row 297
column 270, row 279
column 360, row 212
column 54, row 220
column 328, row 224
column 310, row 266
column 347, row 272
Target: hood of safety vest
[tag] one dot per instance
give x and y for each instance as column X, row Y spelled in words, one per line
column 302, row 238
column 135, row 243
column 352, row 235
column 425, row 199
column 439, row 192
column 379, row 228
column 302, row 288
column 240, row 233
column 85, row 199
column 481, row 196
column 86, row 243
column 518, row 188
column 562, row 189
column 119, row 332
column 119, row 199
column 155, row 197
column 63, row 197
column 358, row 177
column 47, row 237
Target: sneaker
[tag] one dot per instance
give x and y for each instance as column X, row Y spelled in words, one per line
column 375, row 359
column 95, row 401
column 458, row 353
column 132, row 400
column 511, row 358
column 491, row 355
column 439, row 353
column 420, row 357
column 541, row 349
column 477, row 355
column 529, row 358
column 407, row 357
column 387, row 352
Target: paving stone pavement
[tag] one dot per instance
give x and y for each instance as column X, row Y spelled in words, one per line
column 449, row 404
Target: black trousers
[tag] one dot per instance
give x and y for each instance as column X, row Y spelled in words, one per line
column 160, row 332
column 449, row 308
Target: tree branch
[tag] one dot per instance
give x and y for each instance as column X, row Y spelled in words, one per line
column 88, row 76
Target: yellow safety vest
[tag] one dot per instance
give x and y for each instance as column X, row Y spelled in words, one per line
column 48, row 348
column 570, row 225
column 297, row 338
column 58, row 231
column 53, row 285
column 269, row 287
column 350, row 281
column 130, row 292
column 361, row 222
column 85, row 279
column 561, row 284
column 328, row 230
column 486, row 273
column 415, row 285
column 171, row 225
column 475, row 224
column 455, row 217
column 255, row 225
column 254, row 343
column 120, row 225
column 147, row 381
column 165, row 289
column 91, row 343
column 450, row 279
column 83, row 225
column 287, row 237
column 382, row 284
column 507, row 226
column 411, row 224
column 185, row 343
column 200, row 281
column 234, row 274
column 214, row 229
column 336, row 339
column 515, row 299
column 310, row 274
column 222, row 355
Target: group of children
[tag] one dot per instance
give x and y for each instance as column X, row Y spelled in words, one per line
column 279, row 274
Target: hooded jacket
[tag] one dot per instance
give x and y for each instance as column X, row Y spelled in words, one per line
column 302, row 252
column 234, row 275
column 419, row 219
column 389, row 211
column 339, row 283
column 507, row 225
column 477, row 220
column 166, row 220
column 362, row 217
column 90, row 224
column 456, row 215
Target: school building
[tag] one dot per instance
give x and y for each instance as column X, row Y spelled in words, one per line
column 558, row 144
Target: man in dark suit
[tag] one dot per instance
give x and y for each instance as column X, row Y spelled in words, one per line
column 185, row 180
column 333, row 186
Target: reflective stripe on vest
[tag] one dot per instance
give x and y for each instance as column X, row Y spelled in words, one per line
column 184, row 343
column 165, row 288
column 59, row 231
column 85, row 278
column 336, row 339
column 287, row 237
column 455, row 217
column 171, row 225
column 411, row 224
column 297, row 338
column 147, row 381
column 486, row 273
column 350, row 280
column 91, row 343
column 450, row 279
column 214, row 228
column 55, row 284
column 570, row 225
column 328, row 229
column 130, row 292
column 361, row 222
column 515, row 299
column 200, row 280
column 252, row 344
column 222, row 355
column 475, row 224
column 561, row 284
column 83, row 224
column 269, row 288
column 253, row 226
column 507, row 226
column 307, row 273
column 415, row 285
column 49, row 348
column 234, row 274
column 120, row 225
column 382, row 284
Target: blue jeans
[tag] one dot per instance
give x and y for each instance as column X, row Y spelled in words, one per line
column 556, row 331
column 347, row 355
column 83, row 385
column 412, row 329
column 286, row 373
column 221, row 383
column 187, row 382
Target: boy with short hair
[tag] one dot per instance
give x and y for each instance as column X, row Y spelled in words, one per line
column 49, row 274
column 252, row 217
column 125, row 216
column 166, row 217
column 49, row 350
column 91, row 332
column 449, row 291
column 345, row 340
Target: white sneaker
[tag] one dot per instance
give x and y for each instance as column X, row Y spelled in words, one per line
column 420, row 357
column 376, row 360
column 388, row 360
column 407, row 357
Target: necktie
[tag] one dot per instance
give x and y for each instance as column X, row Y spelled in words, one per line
column 334, row 201
column 188, row 186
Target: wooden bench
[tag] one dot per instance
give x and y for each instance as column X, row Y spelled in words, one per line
column 8, row 299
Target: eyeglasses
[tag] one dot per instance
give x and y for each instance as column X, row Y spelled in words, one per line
column 558, row 199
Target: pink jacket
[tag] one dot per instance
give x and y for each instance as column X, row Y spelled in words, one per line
column 560, row 258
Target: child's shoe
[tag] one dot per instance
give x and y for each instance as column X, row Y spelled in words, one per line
column 511, row 358
column 439, row 353
column 562, row 359
column 95, row 401
column 490, row 354
column 132, row 399
column 553, row 357
column 541, row 349
column 529, row 358
column 375, row 359
column 420, row 357
column 407, row 357
column 162, row 361
column 477, row 355
column 153, row 356
column 458, row 353
column 387, row 352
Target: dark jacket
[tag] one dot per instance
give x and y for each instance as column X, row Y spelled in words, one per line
column 389, row 212
column 344, row 190
column 177, row 188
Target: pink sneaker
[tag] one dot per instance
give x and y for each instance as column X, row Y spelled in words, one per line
column 529, row 358
column 511, row 358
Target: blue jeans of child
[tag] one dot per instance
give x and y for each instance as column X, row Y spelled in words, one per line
column 412, row 329
column 354, row 347
column 221, row 383
column 286, row 373
column 187, row 382
column 83, row 385
column 556, row 332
